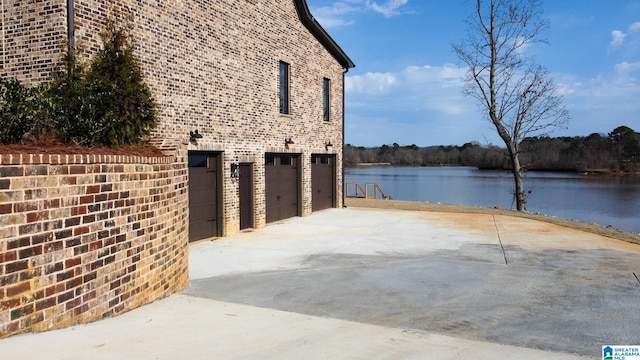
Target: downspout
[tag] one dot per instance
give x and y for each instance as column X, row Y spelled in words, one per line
column 70, row 26
column 344, row 190
column 4, row 39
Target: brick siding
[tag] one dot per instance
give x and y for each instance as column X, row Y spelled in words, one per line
column 31, row 38
column 83, row 237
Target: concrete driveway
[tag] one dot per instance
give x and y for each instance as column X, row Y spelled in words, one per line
column 380, row 284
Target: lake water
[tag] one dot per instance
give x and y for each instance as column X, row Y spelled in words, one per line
column 604, row 200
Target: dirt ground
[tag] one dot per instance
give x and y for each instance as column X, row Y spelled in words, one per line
column 425, row 206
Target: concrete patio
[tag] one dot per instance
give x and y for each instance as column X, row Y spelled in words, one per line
column 362, row 283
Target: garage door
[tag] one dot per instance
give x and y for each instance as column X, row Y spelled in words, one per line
column 323, row 182
column 203, row 196
column 281, row 177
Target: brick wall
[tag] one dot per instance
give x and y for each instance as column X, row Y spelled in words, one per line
column 83, row 237
column 31, row 37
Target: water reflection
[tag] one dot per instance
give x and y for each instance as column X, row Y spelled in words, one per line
column 605, row 200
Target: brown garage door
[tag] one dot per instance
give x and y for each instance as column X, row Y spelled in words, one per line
column 281, row 178
column 322, row 182
column 203, row 196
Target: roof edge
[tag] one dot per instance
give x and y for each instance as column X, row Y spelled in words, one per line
column 314, row 27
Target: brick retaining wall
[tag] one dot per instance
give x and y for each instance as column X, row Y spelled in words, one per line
column 83, row 237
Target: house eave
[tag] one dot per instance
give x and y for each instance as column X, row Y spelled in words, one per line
column 316, row 29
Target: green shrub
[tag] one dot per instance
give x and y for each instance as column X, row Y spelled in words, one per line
column 71, row 103
column 22, row 111
column 108, row 104
column 124, row 106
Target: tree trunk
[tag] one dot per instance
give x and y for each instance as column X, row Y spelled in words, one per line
column 519, row 187
column 516, row 169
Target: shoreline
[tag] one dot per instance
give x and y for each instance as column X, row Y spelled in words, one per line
column 371, row 164
column 590, row 172
column 434, row 207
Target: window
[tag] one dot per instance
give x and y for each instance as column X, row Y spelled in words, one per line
column 279, row 160
column 269, row 160
column 198, row 160
column 284, row 87
column 321, row 159
column 326, row 108
column 285, row 160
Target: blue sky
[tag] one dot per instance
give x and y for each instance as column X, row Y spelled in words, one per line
column 407, row 88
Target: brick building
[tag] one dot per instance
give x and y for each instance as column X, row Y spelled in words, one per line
column 252, row 90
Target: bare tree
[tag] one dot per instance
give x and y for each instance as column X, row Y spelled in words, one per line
column 518, row 96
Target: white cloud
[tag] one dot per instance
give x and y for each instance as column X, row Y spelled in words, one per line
column 333, row 22
column 618, row 86
column 390, row 8
column 625, row 67
column 605, row 99
column 332, row 16
column 617, row 38
column 521, row 45
column 414, row 89
column 566, row 85
column 409, row 78
column 446, row 76
column 370, row 83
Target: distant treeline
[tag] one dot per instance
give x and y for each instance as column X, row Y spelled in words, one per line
column 617, row 151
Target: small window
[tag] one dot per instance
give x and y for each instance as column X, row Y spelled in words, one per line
column 269, row 160
column 321, row 159
column 198, row 161
column 326, row 108
column 286, row 160
column 284, row 87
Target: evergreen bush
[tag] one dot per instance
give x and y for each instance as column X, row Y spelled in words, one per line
column 124, row 106
column 107, row 103
column 71, row 104
column 22, row 111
